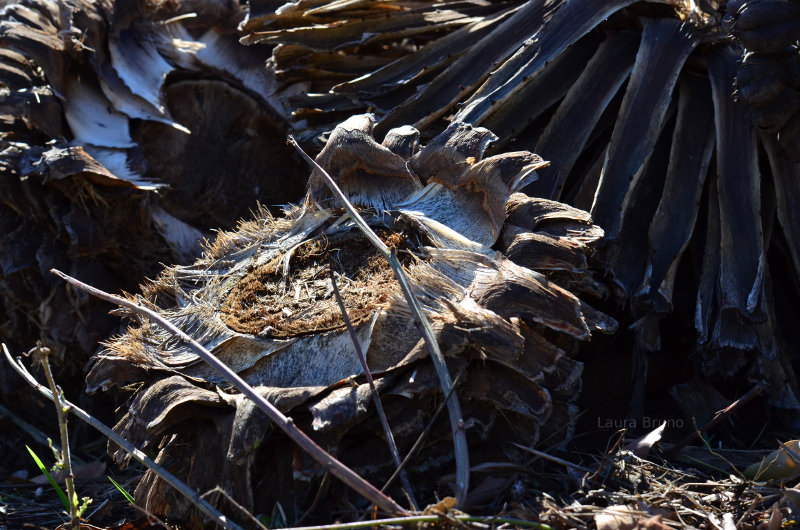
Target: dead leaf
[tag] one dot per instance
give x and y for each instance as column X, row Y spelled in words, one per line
column 442, row 507
column 616, row 517
column 641, row 446
column 778, row 465
column 775, row 518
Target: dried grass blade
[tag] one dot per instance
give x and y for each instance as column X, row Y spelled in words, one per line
column 453, row 406
column 378, row 406
column 138, row 455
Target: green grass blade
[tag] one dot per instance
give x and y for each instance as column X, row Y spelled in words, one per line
column 59, row 491
column 122, row 490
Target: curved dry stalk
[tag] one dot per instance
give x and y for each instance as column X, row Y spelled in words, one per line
column 453, row 406
column 416, row 519
column 378, row 406
column 66, row 456
column 718, row 417
column 142, row 458
column 337, row 468
column 551, row 458
column 360, row 222
column 421, row 438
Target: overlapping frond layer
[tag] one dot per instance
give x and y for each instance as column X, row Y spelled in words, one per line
column 262, row 301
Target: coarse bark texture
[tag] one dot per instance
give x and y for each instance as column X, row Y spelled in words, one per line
column 261, row 300
column 126, row 135
column 680, row 142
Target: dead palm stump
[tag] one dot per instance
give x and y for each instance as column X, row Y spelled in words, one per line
column 496, row 272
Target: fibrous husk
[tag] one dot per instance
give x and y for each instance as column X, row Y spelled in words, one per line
column 261, row 300
column 128, row 130
column 656, row 120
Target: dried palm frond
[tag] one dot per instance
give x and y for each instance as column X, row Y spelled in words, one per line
column 128, row 130
column 261, row 300
column 635, row 104
column 769, row 76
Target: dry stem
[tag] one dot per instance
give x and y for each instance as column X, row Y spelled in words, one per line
column 422, row 435
column 718, row 417
column 65, row 457
column 374, row 391
column 453, row 407
column 138, row 455
column 418, row 519
column 546, row 456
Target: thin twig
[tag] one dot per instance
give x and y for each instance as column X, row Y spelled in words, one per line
column 338, row 469
column 97, row 509
column 238, row 506
column 718, row 417
column 378, row 406
column 710, row 450
column 552, row 458
column 415, row 519
column 138, row 455
column 422, row 435
column 607, row 455
column 453, row 406
column 321, row 490
column 65, row 457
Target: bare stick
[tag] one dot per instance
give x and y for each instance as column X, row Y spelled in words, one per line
column 42, row 354
column 378, row 406
column 338, row 469
column 453, row 406
column 138, row 455
column 238, row 506
column 718, row 417
column 541, row 454
column 422, row 435
column 416, row 519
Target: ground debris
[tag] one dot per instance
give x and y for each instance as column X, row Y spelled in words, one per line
column 627, row 492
